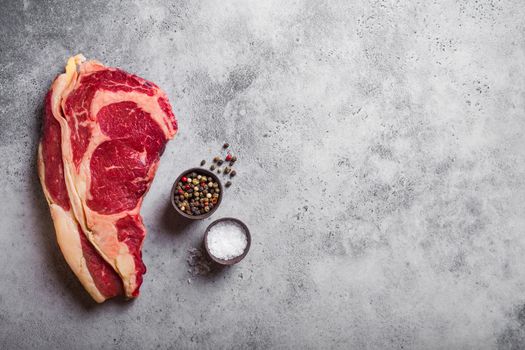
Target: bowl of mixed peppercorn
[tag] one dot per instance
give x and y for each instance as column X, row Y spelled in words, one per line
column 196, row 193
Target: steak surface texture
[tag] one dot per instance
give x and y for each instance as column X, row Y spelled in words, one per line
column 103, row 133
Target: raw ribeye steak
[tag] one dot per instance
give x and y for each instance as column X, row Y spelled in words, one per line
column 104, row 131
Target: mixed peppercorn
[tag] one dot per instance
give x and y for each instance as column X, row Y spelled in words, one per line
column 218, row 162
column 197, row 194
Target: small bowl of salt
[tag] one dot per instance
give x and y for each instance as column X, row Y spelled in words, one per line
column 227, row 241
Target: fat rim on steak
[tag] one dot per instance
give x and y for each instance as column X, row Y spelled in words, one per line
column 103, row 133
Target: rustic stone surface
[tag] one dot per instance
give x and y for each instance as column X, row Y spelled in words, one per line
column 385, row 142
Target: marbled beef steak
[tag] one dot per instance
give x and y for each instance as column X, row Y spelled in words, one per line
column 104, row 131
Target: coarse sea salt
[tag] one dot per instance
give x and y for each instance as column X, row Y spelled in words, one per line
column 226, row 240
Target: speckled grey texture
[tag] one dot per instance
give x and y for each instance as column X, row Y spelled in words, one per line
column 382, row 174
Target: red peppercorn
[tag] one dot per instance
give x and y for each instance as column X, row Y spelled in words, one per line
column 187, row 187
column 203, row 184
column 228, row 157
column 181, row 191
column 184, row 179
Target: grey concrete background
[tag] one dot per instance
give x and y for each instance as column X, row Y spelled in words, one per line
column 381, row 173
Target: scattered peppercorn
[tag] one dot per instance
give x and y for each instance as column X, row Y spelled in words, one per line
column 207, row 187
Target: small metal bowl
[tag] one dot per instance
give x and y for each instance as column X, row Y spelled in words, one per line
column 233, row 260
column 199, row 171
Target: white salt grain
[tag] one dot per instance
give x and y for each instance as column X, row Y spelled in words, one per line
column 226, row 240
